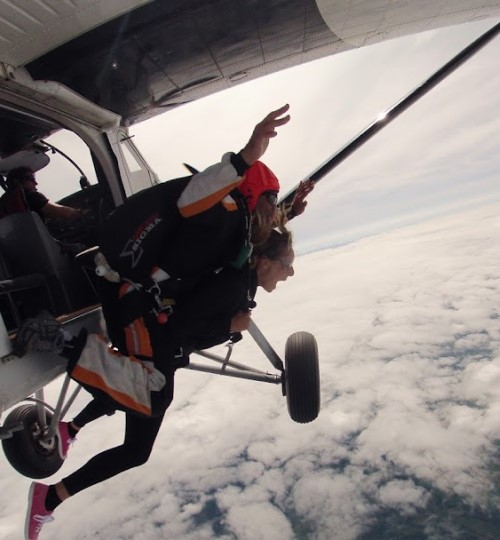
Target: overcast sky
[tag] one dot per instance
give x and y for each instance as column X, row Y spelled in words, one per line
column 406, row 320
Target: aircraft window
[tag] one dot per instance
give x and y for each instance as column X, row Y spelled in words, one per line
column 61, row 177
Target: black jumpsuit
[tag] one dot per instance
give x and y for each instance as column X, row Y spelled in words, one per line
column 202, row 320
column 212, row 229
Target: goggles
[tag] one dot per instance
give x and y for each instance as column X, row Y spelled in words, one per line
column 271, row 197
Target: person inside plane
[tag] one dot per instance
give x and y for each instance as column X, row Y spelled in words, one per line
column 219, row 307
column 22, row 195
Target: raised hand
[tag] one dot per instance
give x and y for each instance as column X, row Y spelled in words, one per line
column 298, row 203
column 263, row 131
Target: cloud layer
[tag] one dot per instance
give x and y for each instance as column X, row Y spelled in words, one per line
column 408, row 330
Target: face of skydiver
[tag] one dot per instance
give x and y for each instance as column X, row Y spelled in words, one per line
column 280, row 268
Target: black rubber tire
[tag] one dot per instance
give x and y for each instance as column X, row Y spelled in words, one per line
column 25, row 450
column 302, row 377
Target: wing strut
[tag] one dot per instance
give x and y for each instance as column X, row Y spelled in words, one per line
column 392, row 113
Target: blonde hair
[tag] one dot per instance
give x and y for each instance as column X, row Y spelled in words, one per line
column 282, row 217
column 261, row 230
column 277, row 243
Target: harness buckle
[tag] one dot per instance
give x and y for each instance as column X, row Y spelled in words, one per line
column 162, row 311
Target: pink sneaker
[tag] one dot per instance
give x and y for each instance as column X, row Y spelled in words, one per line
column 37, row 514
column 64, row 441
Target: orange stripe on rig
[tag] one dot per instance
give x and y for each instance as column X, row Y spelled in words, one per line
column 137, row 339
column 207, row 202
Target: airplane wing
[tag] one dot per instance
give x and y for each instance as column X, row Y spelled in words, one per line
column 141, row 58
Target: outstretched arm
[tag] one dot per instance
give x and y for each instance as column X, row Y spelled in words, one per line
column 214, row 183
column 59, row 211
column 299, row 203
column 265, row 130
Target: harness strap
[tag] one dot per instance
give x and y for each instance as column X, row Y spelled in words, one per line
column 161, row 309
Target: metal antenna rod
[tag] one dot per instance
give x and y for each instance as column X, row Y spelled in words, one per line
column 392, row 113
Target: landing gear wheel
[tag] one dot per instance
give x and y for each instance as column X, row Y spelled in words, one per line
column 302, row 377
column 26, row 450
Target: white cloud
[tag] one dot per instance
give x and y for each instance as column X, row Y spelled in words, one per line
column 403, row 495
column 333, row 504
column 256, row 520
